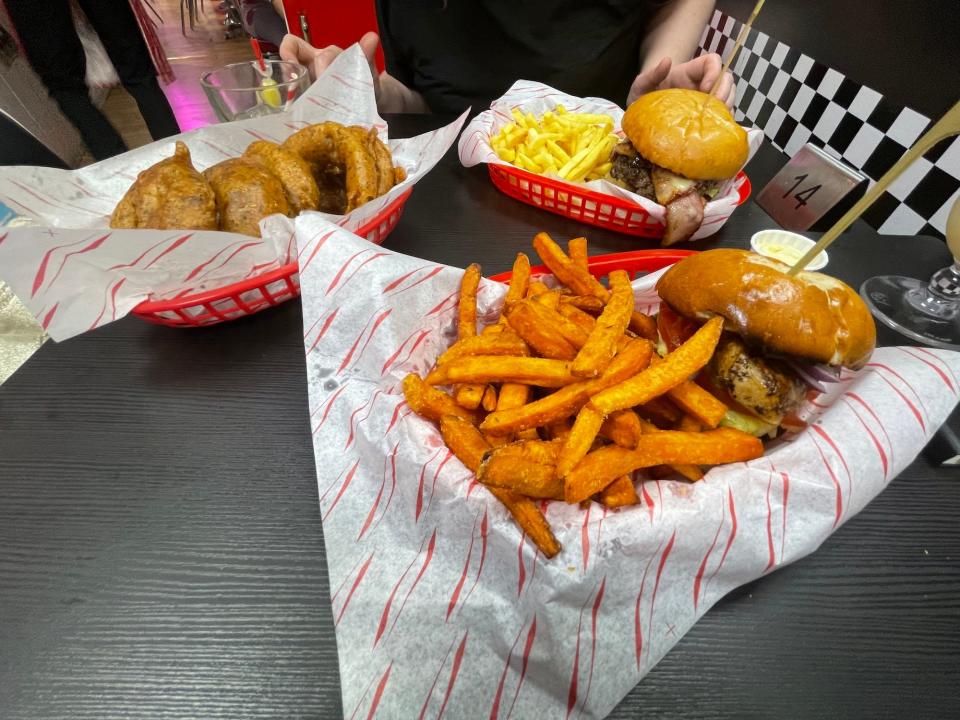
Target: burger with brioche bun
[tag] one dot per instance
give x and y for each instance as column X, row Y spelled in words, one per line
column 681, row 146
column 772, row 321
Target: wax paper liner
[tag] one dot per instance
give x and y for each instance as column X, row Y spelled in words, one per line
column 75, row 274
column 527, row 96
column 442, row 607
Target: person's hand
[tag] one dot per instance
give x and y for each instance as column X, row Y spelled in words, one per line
column 697, row 74
column 317, row 60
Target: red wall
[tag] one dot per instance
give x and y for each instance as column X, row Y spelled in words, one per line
column 333, row 22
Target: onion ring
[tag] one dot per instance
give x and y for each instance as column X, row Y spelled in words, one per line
column 293, row 172
column 331, row 147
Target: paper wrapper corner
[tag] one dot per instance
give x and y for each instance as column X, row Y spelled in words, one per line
column 438, row 599
column 528, row 96
column 75, row 274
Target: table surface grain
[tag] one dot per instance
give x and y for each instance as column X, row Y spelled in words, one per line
column 161, row 554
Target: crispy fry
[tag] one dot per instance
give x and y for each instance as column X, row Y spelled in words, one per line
column 601, row 467
column 658, row 379
column 545, row 339
column 430, row 403
column 623, row 427
column 548, row 300
column 577, row 249
column 549, row 316
column 694, row 400
column 527, row 514
column 464, row 440
column 601, row 344
column 689, row 424
column 689, row 471
column 583, row 283
column 527, row 467
column 519, row 279
column 469, row 396
column 587, row 303
column 578, row 443
column 489, row 401
column 486, row 344
column 566, row 401
column 512, row 395
column 536, row 288
column 620, row 493
column 567, row 271
column 467, row 307
column 584, row 321
column 542, row 372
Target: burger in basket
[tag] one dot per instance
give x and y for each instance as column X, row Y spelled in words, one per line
column 681, row 148
column 772, row 323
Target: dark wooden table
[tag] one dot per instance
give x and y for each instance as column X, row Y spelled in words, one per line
column 161, row 553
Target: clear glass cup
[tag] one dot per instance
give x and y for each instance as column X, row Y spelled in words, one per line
column 928, row 312
column 242, row 90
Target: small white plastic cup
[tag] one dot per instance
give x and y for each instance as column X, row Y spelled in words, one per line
column 787, row 247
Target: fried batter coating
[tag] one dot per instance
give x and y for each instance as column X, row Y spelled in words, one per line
column 386, row 178
column 245, row 192
column 293, row 172
column 169, row 194
column 334, row 148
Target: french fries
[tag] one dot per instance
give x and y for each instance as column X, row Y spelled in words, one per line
column 665, row 375
column 560, row 400
column 430, row 403
column 572, row 146
column 619, row 493
column 546, row 340
column 489, row 344
column 527, row 467
column 519, row 281
column 580, row 280
column 604, row 465
column 542, row 372
column 580, row 439
column 468, row 396
column 601, row 345
column 566, row 401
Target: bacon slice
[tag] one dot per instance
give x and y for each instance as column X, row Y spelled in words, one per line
column 682, row 200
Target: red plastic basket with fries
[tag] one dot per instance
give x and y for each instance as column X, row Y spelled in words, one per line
column 588, row 206
column 562, row 154
column 258, row 293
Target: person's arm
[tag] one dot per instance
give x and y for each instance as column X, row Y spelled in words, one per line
column 392, row 95
column 395, row 97
column 666, row 52
column 675, row 32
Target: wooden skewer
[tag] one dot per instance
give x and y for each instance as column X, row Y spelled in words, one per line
column 946, row 126
column 744, row 31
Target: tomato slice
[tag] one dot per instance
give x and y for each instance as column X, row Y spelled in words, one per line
column 674, row 329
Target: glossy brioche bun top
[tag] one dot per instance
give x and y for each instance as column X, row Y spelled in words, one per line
column 811, row 316
column 688, row 132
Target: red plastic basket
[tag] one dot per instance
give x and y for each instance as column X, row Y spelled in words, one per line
column 257, row 293
column 634, row 262
column 581, row 203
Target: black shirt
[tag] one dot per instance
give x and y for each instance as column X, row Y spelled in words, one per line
column 460, row 53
